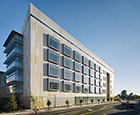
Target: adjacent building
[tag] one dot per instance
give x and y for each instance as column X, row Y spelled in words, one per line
column 46, row 62
column 2, row 84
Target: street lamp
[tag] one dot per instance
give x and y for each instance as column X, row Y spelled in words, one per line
column 54, row 100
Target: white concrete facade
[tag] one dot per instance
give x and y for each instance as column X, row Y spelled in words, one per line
column 37, row 26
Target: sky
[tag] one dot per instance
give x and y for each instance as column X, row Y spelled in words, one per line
column 109, row 28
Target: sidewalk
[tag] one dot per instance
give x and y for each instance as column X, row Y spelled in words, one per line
column 30, row 111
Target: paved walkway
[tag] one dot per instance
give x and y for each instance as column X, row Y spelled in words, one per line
column 30, row 111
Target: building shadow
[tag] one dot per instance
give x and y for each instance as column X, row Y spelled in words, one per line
column 123, row 110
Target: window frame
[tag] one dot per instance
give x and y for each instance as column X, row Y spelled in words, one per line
column 64, row 76
column 75, row 55
column 56, row 54
column 90, row 89
column 84, row 68
column 63, row 50
column 78, row 76
column 51, row 37
column 79, row 85
column 69, row 83
column 64, row 65
column 85, row 61
column 76, row 63
column 48, row 81
column 91, row 79
column 83, row 88
column 91, row 64
column 57, row 76
column 84, row 77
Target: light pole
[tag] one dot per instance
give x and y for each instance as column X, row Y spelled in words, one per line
column 54, row 100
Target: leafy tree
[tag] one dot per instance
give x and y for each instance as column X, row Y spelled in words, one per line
column 81, row 102
column 12, row 104
column 136, row 96
column 92, row 101
column 48, row 103
column 67, row 102
column 130, row 96
column 98, row 100
column 123, row 94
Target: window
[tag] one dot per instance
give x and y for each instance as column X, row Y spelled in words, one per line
column 96, row 67
column 91, row 64
column 104, row 78
column 100, row 84
column 67, row 50
column 84, row 60
column 77, row 77
column 100, row 70
column 53, row 56
column 53, row 70
column 16, row 63
column 85, row 70
column 45, row 54
column 77, row 56
column 53, row 84
column 104, row 91
column 96, row 82
column 91, row 89
column 67, row 62
column 96, row 75
column 91, row 72
column 85, row 88
column 77, row 88
column 67, row 86
column 85, row 79
column 67, row 74
column 77, row 67
column 91, row 81
column 17, row 49
column 15, row 76
column 104, row 84
column 96, row 90
column 100, row 76
column 53, row 43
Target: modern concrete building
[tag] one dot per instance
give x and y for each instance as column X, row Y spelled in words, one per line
column 2, row 84
column 46, row 62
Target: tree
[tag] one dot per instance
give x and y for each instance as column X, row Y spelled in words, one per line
column 123, row 94
column 67, row 102
column 111, row 98
column 12, row 104
column 98, row 100
column 48, row 103
column 92, row 101
column 81, row 101
column 130, row 96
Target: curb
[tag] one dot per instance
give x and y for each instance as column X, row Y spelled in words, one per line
column 54, row 109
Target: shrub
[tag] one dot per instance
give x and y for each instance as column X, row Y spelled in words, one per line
column 92, row 101
column 98, row 100
column 12, row 104
column 48, row 103
column 81, row 101
column 67, row 102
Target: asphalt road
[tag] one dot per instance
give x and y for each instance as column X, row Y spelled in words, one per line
column 105, row 109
